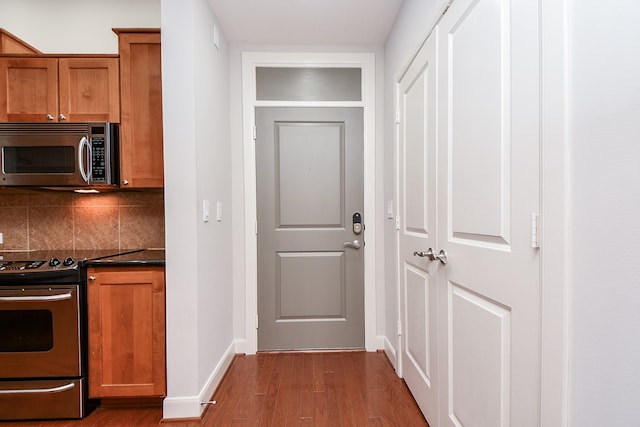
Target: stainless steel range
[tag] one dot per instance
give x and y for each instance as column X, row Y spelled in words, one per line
column 43, row 356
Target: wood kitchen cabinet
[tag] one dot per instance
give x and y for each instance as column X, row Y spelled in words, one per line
column 126, row 312
column 57, row 89
column 12, row 44
column 141, row 150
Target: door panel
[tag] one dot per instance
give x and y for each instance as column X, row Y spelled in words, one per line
column 310, row 285
column 488, row 187
column 310, row 176
column 309, row 164
column 480, row 120
column 480, row 357
column 417, row 103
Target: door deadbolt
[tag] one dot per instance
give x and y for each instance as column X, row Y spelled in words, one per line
column 357, row 223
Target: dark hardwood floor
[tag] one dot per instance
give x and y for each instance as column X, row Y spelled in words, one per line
column 352, row 388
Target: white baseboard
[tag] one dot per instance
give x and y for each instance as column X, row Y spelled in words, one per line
column 181, row 407
column 390, row 351
column 216, row 376
column 192, row 406
column 380, row 340
column 242, row 346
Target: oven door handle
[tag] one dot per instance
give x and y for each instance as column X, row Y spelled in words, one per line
column 40, row 390
column 58, row 297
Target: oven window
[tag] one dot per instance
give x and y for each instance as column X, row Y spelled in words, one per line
column 26, row 330
column 51, row 159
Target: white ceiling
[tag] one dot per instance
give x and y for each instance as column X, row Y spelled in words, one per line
column 306, row 22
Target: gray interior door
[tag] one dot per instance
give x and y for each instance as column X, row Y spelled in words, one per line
column 309, row 165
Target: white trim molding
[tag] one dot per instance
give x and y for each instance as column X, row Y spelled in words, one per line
column 555, row 209
column 194, row 406
column 250, row 61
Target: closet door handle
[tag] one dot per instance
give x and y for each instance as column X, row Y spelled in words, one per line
column 441, row 256
column 428, row 254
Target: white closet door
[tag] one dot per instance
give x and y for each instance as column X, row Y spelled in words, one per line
column 417, row 141
column 488, row 189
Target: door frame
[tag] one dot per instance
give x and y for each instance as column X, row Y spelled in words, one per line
column 555, row 207
column 250, row 61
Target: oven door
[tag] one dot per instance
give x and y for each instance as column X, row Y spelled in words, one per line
column 39, row 332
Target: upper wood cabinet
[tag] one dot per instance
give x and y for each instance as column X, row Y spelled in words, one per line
column 126, row 311
column 74, row 89
column 12, row 44
column 141, row 150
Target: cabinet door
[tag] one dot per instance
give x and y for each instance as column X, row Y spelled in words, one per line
column 89, row 89
column 141, row 111
column 126, row 332
column 28, row 89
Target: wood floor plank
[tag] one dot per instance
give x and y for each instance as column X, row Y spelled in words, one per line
column 265, row 366
column 354, row 388
column 307, row 405
column 320, row 409
column 293, row 397
column 318, row 372
column 283, row 400
column 268, row 409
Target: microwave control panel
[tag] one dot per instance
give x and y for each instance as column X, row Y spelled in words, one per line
column 98, row 163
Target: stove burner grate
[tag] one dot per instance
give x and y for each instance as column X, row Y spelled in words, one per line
column 20, row 265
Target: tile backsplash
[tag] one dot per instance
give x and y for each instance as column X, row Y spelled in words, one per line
column 42, row 219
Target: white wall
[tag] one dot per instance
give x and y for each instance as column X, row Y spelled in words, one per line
column 414, row 21
column 604, row 295
column 197, row 167
column 76, row 26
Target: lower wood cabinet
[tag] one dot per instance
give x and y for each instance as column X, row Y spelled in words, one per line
column 126, row 332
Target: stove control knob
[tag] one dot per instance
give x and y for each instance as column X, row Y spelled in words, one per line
column 54, row 262
column 68, row 262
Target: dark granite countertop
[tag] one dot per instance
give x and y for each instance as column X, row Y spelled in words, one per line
column 142, row 257
column 93, row 258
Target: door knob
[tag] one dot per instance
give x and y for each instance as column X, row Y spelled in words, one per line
column 428, row 254
column 441, row 256
column 355, row 244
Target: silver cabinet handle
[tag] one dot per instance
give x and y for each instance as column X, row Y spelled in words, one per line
column 92, row 277
column 428, row 254
column 41, row 390
column 355, row 244
column 125, row 182
column 62, row 117
column 49, row 117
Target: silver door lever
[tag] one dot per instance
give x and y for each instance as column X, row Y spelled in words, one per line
column 355, row 244
column 441, row 256
column 428, row 254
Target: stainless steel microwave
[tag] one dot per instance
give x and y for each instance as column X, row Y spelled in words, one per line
column 59, row 154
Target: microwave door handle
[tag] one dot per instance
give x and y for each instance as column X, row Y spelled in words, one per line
column 84, row 142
